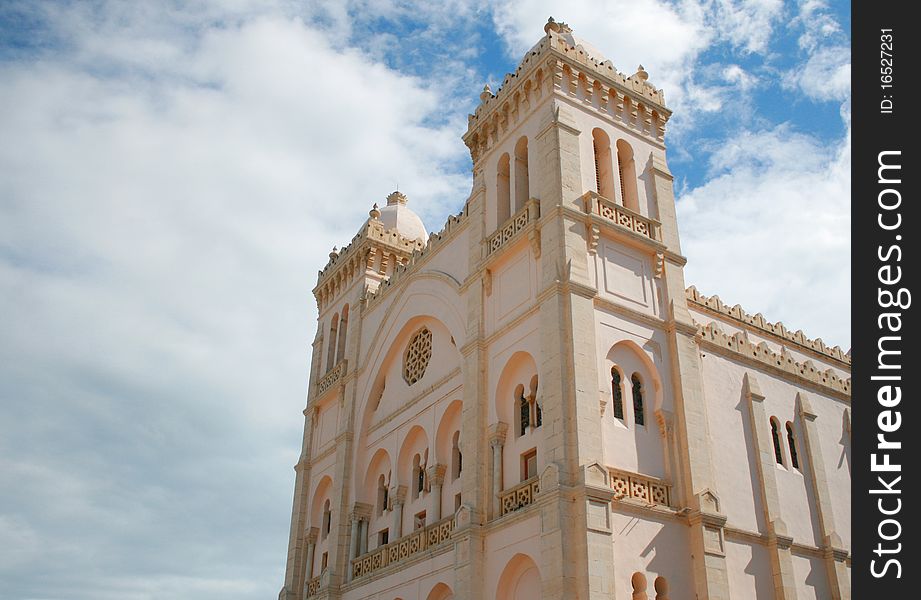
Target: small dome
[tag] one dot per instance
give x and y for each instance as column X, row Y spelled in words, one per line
column 397, row 215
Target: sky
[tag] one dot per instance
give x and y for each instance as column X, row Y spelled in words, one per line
column 174, row 174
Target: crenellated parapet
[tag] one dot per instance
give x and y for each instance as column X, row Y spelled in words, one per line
column 560, row 64
column 374, row 250
column 760, row 325
column 740, row 347
column 418, row 257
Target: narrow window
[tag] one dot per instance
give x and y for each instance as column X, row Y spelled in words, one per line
column 538, row 413
column 791, row 441
column 604, row 177
column 617, row 393
column 775, row 437
column 503, row 191
column 324, row 561
column 419, row 520
column 327, row 519
column 528, row 464
column 524, row 412
column 521, row 174
column 639, row 414
column 382, row 494
column 331, row 351
column 457, row 459
column 627, row 171
column 418, row 477
column 383, row 537
column 343, row 329
column 457, row 501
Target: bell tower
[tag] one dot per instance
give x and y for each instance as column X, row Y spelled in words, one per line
column 569, row 154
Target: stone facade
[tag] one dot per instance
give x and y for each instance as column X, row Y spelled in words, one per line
column 530, row 403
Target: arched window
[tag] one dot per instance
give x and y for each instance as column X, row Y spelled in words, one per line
column 617, row 394
column 331, row 351
column 524, row 411
column 627, row 170
column 418, row 476
column 382, row 495
column 457, row 459
column 503, row 190
column 521, row 174
column 775, row 437
column 791, row 441
column 343, row 328
column 604, row 176
column 639, row 414
column 327, row 519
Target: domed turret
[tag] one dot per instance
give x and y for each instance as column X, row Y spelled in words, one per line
column 399, row 216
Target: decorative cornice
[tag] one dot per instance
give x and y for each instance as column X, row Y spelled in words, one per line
column 738, row 346
column 554, row 66
column 759, row 324
column 418, row 257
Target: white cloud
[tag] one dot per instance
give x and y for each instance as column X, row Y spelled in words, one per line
column 771, row 230
column 826, row 74
column 165, row 197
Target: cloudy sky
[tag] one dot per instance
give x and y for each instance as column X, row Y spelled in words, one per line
column 173, row 175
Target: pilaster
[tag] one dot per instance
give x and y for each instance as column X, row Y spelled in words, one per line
column 779, row 541
column 835, row 555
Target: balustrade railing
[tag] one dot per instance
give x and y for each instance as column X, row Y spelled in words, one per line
column 640, row 487
column 403, row 548
column 313, row 587
column 519, row 496
column 506, row 231
column 328, row 380
column 621, row 215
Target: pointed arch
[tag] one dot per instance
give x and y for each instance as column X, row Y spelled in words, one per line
column 617, row 393
column 639, row 407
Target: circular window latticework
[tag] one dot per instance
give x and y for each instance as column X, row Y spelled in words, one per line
column 417, row 357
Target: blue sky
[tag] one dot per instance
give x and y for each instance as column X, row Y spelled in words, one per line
column 173, row 175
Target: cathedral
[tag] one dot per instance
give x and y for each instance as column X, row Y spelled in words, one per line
column 532, row 404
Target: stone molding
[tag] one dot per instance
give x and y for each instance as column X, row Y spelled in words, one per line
column 417, row 257
column 738, row 346
column 759, row 324
column 594, row 83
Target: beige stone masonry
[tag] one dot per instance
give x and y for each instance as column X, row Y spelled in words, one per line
column 758, row 323
column 738, row 346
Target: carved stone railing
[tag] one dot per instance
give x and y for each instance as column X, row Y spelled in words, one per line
column 509, row 229
column 403, row 548
column 313, row 587
column 330, row 379
column 621, row 215
column 523, row 494
column 640, row 487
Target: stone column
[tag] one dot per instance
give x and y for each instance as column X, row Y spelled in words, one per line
column 356, row 531
column 834, row 553
column 397, row 498
column 363, row 535
column 779, row 541
column 436, row 475
column 311, row 549
column 497, row 433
